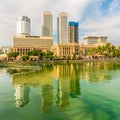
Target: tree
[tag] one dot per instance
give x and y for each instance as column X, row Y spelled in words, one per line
column 12, row 54
column 100, row 50
column 81, row 52
column 34, row 52
column 1, row 52
column 74, row 56
column 90, row 51
column 25, row 57
column 107, row 50
column 117, row 52
column 49, row 54
column 69, row 57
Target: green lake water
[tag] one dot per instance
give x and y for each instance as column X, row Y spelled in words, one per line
column 84, row 91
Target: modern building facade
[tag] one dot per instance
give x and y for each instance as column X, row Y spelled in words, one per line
column 47, row 27
column 62, row 28
column 23, row 25
column 92, row 40
column 23, row 44
column 73, row 32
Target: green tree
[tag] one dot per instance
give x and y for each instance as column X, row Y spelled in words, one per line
column 100, row 50
column 107, row 50
column 44, row 55
column 25, row 57
column 69, row 57
column 1, row 52
column 49, row 54
column 12, row 54
column 34, row 52
column 81, row 52
column 90, row 51
column 74, row 56
column 117, row 52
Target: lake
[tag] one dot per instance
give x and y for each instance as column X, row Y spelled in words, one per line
column 84, row 91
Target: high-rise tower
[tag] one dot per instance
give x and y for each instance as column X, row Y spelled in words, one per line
column 73, row 32
column 62, row 28
column 47, row 24
column 23, row 25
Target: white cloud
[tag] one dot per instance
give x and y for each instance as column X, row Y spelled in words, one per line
column 115, row 5
column 103, row 24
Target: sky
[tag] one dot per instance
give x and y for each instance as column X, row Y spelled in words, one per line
column 95, row 17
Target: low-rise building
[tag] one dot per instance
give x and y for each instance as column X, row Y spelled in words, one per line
column 69, row 50
column 5, row 49
column 66, row 50
column 91, row 40
column 3, row 57
column 23, row 44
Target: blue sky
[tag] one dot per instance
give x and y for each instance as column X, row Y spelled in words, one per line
column 95, row 17
column 106, row 4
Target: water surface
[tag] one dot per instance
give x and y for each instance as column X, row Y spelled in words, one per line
column 84, row 91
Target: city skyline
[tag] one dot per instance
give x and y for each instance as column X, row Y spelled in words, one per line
column 99, row 17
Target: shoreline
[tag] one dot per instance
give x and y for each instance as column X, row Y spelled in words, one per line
column 43, row 62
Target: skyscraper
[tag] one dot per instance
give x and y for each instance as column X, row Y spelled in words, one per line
column 62, row 28
column 47, row 24
column 73, row 32
column 23, row 25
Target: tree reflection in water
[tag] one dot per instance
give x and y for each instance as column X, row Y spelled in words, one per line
column 68, row 78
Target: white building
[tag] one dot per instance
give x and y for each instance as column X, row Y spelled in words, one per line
column 91, row 40
column 23, row 25
column 47, row 26
column 5, row 49
column 62, row 28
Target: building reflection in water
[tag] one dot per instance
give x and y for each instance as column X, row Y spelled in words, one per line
column 74, row 88
column 21, row 95
column 47, row 97
column 63, row 99
column 35, row 79
column 75, row 81
column 68, row 84
column 68, row 76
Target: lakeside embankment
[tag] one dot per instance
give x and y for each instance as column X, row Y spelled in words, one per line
column 43, row 62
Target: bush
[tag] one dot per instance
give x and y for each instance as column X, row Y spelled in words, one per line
column 25, row 57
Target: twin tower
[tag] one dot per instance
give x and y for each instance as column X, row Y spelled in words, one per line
column 66, row 32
